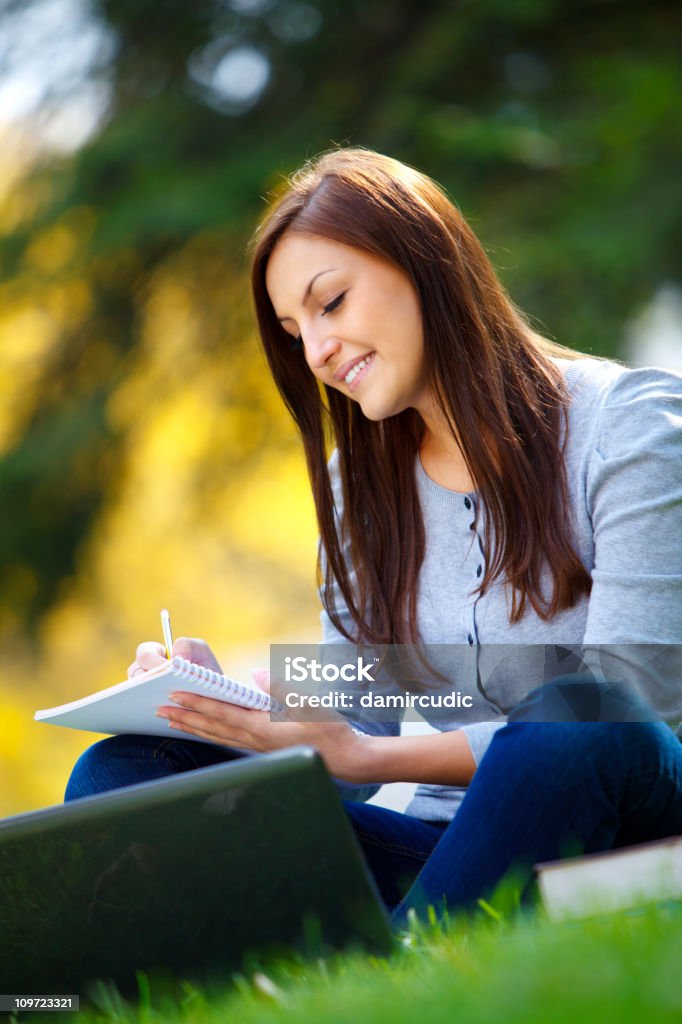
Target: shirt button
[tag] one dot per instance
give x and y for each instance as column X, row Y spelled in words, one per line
column 479, row 570
column 470, row 639
column 467, row 503
column 472, row 526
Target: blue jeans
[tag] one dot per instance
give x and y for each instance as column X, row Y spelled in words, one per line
column 542, row 789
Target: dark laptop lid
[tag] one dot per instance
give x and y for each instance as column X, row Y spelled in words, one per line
column 184, row 875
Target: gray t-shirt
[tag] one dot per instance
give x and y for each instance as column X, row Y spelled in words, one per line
column 624, row 470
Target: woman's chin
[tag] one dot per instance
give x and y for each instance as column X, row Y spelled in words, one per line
column 377, row 412
column 371, row 410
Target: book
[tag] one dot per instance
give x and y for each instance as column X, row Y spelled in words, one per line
column 600, row 883
column 131, row 706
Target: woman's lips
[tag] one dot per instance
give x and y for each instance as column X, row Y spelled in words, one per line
column 359, row 373
column 341, row 374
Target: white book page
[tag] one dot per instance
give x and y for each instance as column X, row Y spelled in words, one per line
column 131, row 706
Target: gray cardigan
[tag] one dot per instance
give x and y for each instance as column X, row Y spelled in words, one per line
column 624, row 470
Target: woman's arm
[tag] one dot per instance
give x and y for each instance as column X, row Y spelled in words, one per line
column 439, row 758
column 633, row 632
column 442, row 758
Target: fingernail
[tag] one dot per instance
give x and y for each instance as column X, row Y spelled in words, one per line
column 161, row 714
column 259, row 675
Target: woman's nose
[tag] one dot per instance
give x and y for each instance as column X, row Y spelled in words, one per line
column 319, row 347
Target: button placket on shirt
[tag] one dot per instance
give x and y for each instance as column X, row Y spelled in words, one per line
column 470, row 624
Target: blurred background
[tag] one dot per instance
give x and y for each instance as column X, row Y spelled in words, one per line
column 145, row 459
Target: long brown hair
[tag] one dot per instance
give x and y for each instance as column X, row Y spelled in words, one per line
column 485, row 365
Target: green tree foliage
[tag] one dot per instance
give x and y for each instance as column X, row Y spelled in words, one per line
column 553, row 124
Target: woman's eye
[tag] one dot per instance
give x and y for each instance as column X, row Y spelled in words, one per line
column 334, row 304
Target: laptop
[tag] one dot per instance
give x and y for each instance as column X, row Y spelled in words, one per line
column 184, row 877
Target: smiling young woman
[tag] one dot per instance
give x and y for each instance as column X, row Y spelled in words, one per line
column 453, row 356
column 476, row 485
column 355, row 319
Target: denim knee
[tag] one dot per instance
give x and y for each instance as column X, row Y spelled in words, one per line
column 116, row 762
column 125, row 760
column 581, row 698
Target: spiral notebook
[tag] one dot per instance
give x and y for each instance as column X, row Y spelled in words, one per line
column 131, row 706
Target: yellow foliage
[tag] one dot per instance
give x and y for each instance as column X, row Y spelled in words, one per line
column 275, row 511
column 35, row 760
column 18, row 199
column 27, row 334
column 68, row 303
column 52, row 249
column 30, row 328
column 55, row 247
column 210, row 515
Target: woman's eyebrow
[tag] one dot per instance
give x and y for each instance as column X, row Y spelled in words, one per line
column 308, row 290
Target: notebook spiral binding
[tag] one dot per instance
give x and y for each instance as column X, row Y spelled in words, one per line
column 214, row 682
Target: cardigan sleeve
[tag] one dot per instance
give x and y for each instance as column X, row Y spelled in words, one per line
column 633, row 631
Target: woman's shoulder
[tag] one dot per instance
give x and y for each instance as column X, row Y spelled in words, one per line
column 611, row 377
column 605, row 391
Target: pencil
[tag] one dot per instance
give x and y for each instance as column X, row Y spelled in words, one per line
column 167, row 635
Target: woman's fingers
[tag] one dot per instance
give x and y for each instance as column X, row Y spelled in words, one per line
column 259, row 731
column 148, row 655
column 151, row 654
column 223, row 722
column 196, row 651
column 261, row 677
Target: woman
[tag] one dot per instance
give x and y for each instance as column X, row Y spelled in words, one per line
column 488, row 487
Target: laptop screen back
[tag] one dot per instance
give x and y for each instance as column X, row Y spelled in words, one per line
column 183, row 876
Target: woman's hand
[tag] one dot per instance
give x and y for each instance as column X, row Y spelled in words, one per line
column 151, row 654
column 342, row 750
column 444, row 759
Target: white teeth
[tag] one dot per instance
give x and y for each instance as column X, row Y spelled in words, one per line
column 352, row 373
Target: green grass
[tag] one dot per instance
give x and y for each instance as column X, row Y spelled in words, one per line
column 616, row 969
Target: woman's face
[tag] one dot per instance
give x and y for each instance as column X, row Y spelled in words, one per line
column 358, row 318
